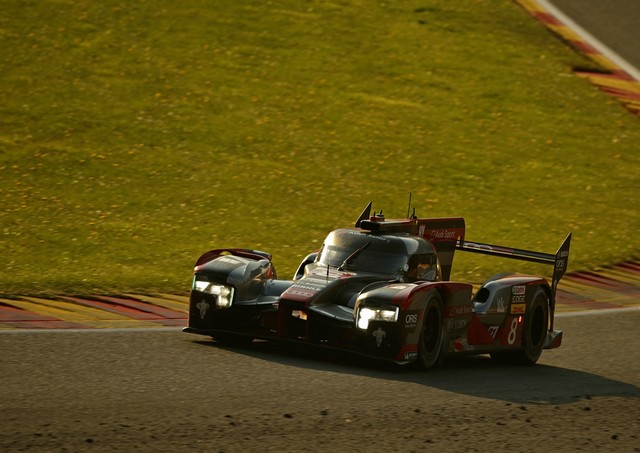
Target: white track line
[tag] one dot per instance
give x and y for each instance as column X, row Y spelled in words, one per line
column 604, row 311
column 592, row 40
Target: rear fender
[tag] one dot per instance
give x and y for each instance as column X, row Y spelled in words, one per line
column 511, row 294
column 501, row 305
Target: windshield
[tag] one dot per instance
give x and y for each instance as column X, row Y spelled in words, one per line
column 410, row 258
column 367, row 260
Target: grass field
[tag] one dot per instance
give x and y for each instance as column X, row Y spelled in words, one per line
column 136, row 135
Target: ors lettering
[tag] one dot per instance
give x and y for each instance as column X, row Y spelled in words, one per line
column 411, row 319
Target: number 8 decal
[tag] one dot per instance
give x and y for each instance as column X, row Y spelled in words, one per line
column 513, row 331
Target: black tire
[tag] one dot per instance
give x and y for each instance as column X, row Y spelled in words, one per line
column 230, row 339
column 431, row 334
column 534, row 333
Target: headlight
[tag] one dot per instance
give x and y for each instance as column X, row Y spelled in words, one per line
column 365, row 315
column 223, row 293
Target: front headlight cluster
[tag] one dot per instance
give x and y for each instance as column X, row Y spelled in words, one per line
column 366, row 315
column 223, row 293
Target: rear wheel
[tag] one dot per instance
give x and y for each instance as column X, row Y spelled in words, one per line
column 431, row 335
column 534, row 333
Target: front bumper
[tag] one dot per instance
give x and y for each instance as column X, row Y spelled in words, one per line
column 381, row 340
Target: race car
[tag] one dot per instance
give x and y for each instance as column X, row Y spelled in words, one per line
column 382, row 289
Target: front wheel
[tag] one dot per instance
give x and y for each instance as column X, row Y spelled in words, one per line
column 431, row 334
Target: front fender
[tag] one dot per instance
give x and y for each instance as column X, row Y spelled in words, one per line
column 245, row 271
column 310, row 258
column 411, row 300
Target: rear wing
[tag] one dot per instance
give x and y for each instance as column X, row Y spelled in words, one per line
column 560, row 261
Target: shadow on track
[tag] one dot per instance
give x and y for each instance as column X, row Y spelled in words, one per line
column 477, row 376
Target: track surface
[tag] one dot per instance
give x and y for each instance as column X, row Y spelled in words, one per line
column 107, row 373
column 157, row 390
column 616, row 23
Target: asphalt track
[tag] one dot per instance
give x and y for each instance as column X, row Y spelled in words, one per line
column 615, row 23
column 164, row 390
column 79, row 384
column 149, row 387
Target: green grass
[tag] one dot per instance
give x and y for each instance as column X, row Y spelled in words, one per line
column 136, row 135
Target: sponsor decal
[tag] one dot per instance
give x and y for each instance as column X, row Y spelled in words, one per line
column 203, row 306
column 560, row 265
column 457, row 310
column 298, row 292
column 411, row 320
column 443, row 234
column 369, row 237
column 518, row 295
column 518, row 308
column 308, row 286
column 493, row 330
column 410, row 355
column 500, row 305
column 305, row 289
column 379, row 335
column 456, row 324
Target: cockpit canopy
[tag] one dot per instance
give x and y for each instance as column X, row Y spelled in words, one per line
column 407, row 257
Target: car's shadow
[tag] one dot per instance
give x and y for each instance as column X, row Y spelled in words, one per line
column 476, row 376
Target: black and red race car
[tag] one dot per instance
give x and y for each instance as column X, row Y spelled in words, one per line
column 381, row 289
